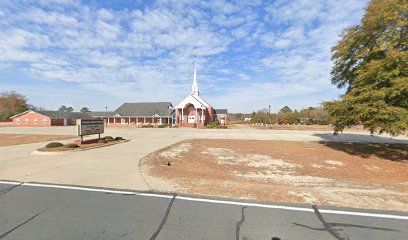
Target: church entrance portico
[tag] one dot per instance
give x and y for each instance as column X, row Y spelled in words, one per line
column 189, row 115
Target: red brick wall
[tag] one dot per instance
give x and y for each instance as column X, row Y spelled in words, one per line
column 207, row 117
column 29, row 120
column 220, row 116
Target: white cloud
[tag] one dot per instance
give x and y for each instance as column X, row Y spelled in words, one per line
column 147, row 53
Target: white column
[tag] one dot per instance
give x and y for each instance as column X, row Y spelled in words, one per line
column 144, row 120
column 114, row 121
column 202, row 115
column 129, row 122
column 160, row 120
column 108, row 121
column 137, row 120
column 182, row 115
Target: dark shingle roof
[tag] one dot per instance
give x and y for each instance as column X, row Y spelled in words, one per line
column 61, row 115
column 145, row 109
column 220, row 111
column 101, row 114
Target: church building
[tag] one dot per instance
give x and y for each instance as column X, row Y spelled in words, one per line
column 195, row 111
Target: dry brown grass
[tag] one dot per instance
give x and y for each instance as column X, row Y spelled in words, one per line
column 343, row 174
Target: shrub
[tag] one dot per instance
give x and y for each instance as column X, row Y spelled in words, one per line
column 211, row 125
column 71, row 145
column 162, row 126
column 222, row 126
column 118, row 138
column 195, row 125
column 102, row 141
column 54, row 145
column 108, row 138
column 147, row 126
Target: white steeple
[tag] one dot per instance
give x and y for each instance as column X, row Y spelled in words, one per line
column 194, row 88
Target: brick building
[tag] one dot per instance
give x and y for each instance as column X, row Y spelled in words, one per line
column 155, row 113
column 194, row 110
column 32, row 118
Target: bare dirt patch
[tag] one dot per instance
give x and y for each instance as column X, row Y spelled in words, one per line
column 16, row 139
column 359, row 175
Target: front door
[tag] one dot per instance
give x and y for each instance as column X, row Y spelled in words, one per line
column 191, row 119
column 65, row 122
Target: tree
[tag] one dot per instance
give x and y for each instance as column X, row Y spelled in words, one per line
column 63, row 108
column 285, row 109
column 11, row 103
column 370, row 61
column 85, row 110
column 35, row 108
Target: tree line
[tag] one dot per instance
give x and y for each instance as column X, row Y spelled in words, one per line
column 370, row 62
column 308, row 116
column 12, row 103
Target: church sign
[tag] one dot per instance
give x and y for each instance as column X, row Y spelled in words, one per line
column 90, row 126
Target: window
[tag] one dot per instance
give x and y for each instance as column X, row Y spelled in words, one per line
column 27, row 121
column 44, row 121
column 18, row 120
column 35, row 121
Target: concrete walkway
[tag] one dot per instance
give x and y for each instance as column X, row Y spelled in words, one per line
column 117, row 166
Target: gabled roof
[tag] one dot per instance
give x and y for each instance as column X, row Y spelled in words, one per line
column 57, row 114
column 61, row 115
column 194, row 99
column 221, row 111
column 101, row 114
column 146, row 109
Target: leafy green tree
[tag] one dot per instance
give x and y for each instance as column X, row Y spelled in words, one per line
column 11, row 103
column 85, row 110
column 70, row 109
column 294, row 118
column 285, row 109
column 63, row 108
column 35, row 108
column 370, row 61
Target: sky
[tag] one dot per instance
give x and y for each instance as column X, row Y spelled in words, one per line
column 250, row 54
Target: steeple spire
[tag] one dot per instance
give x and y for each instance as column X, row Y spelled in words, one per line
column 194, row 88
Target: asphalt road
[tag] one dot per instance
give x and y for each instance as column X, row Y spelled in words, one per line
column 35, row 211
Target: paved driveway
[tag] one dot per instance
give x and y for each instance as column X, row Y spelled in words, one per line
column 117, row 166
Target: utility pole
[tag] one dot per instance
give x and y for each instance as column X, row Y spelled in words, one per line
column 270, row 124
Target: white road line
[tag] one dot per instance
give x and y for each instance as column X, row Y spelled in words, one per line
column 226, row 202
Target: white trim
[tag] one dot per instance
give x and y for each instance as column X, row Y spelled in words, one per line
column 226, row 202
column 19, row 114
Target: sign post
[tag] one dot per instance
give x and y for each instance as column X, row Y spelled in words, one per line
column 89, row 127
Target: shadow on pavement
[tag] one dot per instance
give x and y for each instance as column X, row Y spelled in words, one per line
column 354, row 137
